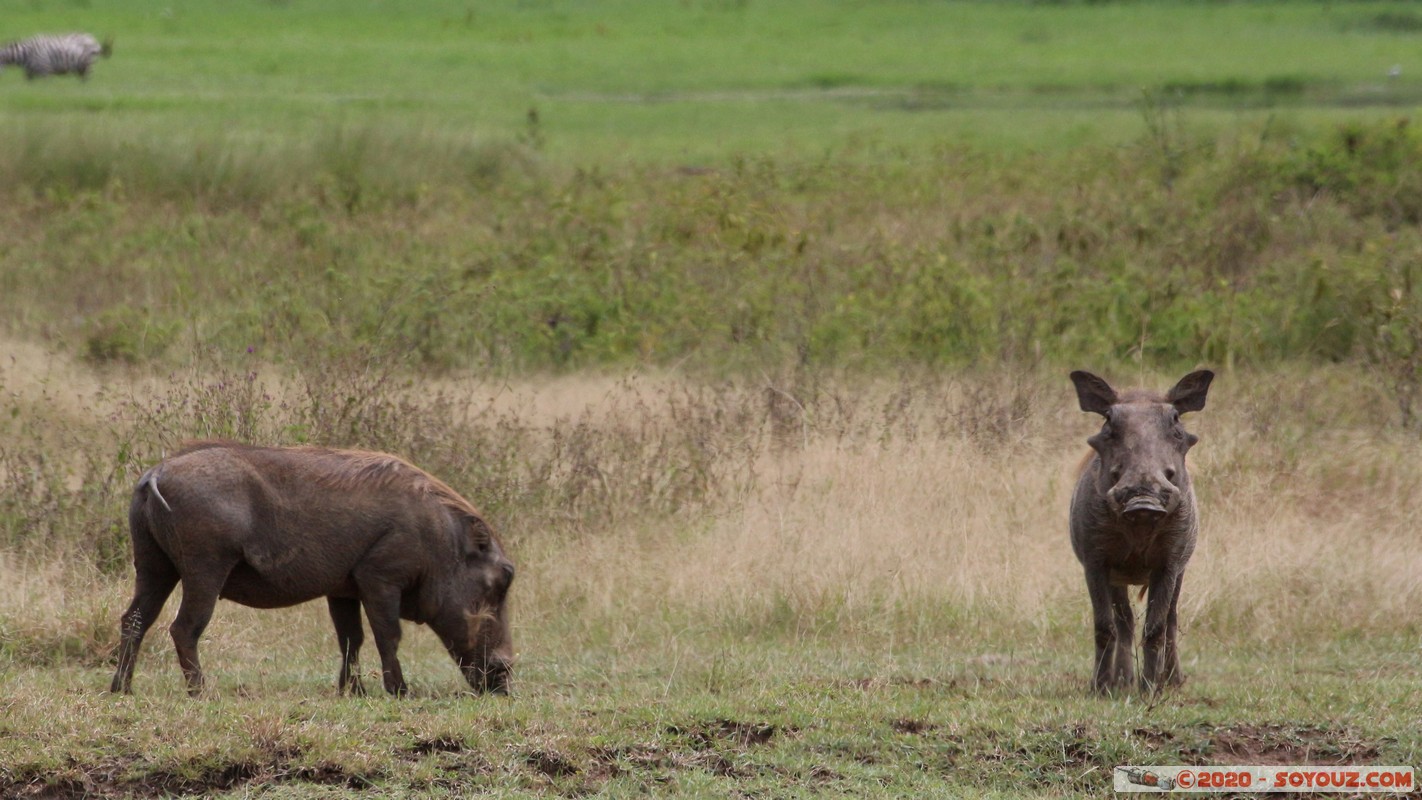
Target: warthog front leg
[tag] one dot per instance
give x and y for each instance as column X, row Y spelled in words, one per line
column 382, row 610
column 1157, row 638
column 345, row 613
column 1172, row 674
column 1104, row 623
column 1124, row 673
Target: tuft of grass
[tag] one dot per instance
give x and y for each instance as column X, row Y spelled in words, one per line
column 128, row 335
column 56, row 613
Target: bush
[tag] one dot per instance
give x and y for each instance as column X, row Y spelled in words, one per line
column 1178, row 250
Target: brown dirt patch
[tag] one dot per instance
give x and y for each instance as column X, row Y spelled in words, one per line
column 551, row 764
column 912, row 726
column 1283, row 744
column 1154, row 738
column 741, row 734
column 439, row 744
column 103, row 780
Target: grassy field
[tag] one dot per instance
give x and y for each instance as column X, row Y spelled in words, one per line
column 867, row 590
column 747, row 324
column 748, row 718
column 1223, row 209
column 697, row 80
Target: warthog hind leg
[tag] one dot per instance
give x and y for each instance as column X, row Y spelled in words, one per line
column 154, row 584
column 201, row 587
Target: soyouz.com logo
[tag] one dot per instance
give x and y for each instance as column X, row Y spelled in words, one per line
column 1238, row 779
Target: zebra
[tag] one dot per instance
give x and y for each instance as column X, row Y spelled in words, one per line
column 55, row 54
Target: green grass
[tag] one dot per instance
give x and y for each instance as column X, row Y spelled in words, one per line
column 689, row 711
column 698, row 80
column 719, row 186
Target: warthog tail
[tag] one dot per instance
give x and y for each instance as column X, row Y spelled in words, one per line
column 150, row 479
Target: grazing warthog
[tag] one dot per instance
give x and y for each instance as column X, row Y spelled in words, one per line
column 1133, row 523
column 271, row 527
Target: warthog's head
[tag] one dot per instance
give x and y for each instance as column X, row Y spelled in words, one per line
column 479, row 638
column 1142, row 445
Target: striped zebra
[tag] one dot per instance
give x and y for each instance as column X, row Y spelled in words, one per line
column 55, row 54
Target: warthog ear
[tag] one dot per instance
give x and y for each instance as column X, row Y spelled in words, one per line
column 1094, row 393
column 1189, row 393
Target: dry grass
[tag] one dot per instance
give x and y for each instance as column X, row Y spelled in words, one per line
column 1305, row 531
column 876, row 570
column 834, row 507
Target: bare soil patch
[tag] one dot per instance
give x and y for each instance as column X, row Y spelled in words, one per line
column 1276, row 744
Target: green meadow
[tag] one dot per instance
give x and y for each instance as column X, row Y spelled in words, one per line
column 701, row 79
column 747, row 325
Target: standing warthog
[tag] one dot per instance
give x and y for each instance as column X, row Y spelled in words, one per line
column 1133, row 522
column 272, row 527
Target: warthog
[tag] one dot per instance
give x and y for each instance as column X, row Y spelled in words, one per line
column 270, row 527
column 1133, row 522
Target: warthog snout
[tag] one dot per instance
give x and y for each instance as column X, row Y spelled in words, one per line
column 1144, row 502
column 492, row 678
column 1143, row 508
